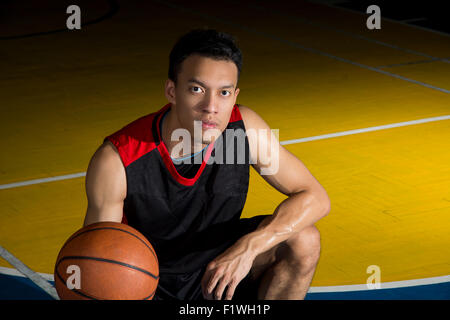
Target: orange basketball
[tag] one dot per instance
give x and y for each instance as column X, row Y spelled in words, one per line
column 107, row 261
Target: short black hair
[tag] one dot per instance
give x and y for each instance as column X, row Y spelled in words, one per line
column 207, row 43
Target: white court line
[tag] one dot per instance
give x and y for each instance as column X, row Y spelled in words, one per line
column 42, row 282
column 383, row 285
column 43, row 180
column 407, row 63
column 369, row 129
column 413, row 20
column 297, row 45
column 40, row 279
column 16, row 273
column 33, row 276
column 346, row 33
column 321, row 289
column 285, row 142
column 382, row 17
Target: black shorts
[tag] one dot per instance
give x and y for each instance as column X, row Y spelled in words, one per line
column 187, row 286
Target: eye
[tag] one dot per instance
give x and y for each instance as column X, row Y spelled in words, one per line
column 226, row 93
column 194, row 89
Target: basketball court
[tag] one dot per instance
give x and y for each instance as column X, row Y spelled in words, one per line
column 367, row 111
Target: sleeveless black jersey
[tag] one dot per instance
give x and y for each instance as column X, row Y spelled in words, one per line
column 188, row 219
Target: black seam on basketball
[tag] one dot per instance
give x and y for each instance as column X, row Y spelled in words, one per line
column 110, row 261
column 112, row 228
column 79, row 292
column 150, row 296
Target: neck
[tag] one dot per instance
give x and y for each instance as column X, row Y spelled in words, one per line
column 168, row 125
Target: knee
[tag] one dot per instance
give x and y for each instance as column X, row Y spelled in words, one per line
column 304, row 248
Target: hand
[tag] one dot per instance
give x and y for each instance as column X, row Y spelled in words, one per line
column 227, row 271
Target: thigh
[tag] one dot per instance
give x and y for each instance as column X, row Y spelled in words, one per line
column 187, row 286
column 303, row 244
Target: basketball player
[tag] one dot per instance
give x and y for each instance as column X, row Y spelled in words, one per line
column 190, row 210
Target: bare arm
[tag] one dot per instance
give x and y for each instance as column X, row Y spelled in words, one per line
column 307, row 200
column 105, row 186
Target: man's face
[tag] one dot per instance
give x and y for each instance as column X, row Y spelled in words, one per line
column 205, row 91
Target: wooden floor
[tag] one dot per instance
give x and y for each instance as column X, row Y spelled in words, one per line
column 309, row 70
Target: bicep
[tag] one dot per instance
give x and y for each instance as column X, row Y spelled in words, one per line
column 105, row 186
column 290, row 174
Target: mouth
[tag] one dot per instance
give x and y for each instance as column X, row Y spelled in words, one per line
column 209, row 124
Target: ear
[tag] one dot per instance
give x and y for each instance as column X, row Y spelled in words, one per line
column 236, row 92
column 169, row 91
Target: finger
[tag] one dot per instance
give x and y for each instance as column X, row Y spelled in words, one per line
column 230, row 290
column 204, row 283
column 217, row 275
column 208, row 285
column 220, row 288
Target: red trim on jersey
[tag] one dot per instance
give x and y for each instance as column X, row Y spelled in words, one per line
column 235, row 114
column 124, row 218
column 169, row 163
column 135, row 139
column 173, row 171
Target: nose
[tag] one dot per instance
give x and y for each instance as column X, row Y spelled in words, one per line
column 210, row 103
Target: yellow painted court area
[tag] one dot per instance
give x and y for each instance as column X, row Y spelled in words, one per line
column 62, row 93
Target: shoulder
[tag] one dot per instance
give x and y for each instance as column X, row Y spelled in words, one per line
column 106, row 157
column 258, row 132
column 137, row 129
column 135, row 139
column 245, row 111
column 106, row 185
column 251, row 118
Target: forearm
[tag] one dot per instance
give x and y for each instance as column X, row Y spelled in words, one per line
column 295, row 213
